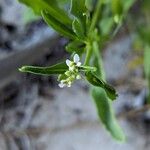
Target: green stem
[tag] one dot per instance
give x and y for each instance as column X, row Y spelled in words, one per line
column 87, row 68
column 93, row 24
column 96, row 15
column 98, row 57
column 147, row 68
column 117, row 28
column 88, row 54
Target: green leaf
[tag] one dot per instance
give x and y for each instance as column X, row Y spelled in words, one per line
column 75, row 46
column 147, row 61
column 78, row 29
column 97, row 61
column 102, row 102
column 78, row 9
column 34, row 4
column 106, row 114
column 106, row 25
column 59, row 68
column 127, row 4
column 111, row 92
column 52, row 7
column 144, row 32
column 117, row 7
column 94, row 80
column 147, row 68
column 89, row 4
column 58, row 26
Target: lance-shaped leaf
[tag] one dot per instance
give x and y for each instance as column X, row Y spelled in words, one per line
column 100, row 72
column 78, row 29
column 111, row 92
column 89, row 4
column 106, row 114
column 94, row 80
column 51, row 6
column 127, row 4
column 78, row 9
column 102, row 102
column 106, row 25
column 58, row 26
column 117, row 7
column 59, row 68
column 75, row 46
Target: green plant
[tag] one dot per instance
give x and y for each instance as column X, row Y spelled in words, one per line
column 144, row 33
column 88, row 24
column 142, row 38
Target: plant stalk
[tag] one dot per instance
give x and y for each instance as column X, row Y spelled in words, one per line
column 96, row 15
column 88, row 54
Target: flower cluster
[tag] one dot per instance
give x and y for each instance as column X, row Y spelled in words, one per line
column 71, row 74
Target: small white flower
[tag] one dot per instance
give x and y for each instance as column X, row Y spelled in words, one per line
column 78, row 64
column 74, row 63
column 73, row 73
column 61, row 85
column 68, row 62
column 76, row 58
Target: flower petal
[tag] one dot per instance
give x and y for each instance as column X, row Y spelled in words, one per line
column 69, row 85
column 78, row 64
column 68, row 62
column 76, row 58
column 61, row 85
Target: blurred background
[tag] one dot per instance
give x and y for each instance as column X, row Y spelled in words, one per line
column 35, row 114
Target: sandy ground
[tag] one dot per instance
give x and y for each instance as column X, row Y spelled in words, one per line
column 68, row 121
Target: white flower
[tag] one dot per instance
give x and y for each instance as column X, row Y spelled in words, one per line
column 61, row 85
column 76, row 59
column 68, row 62
column 75, row 63
column 64, row 83
column 72, row 74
